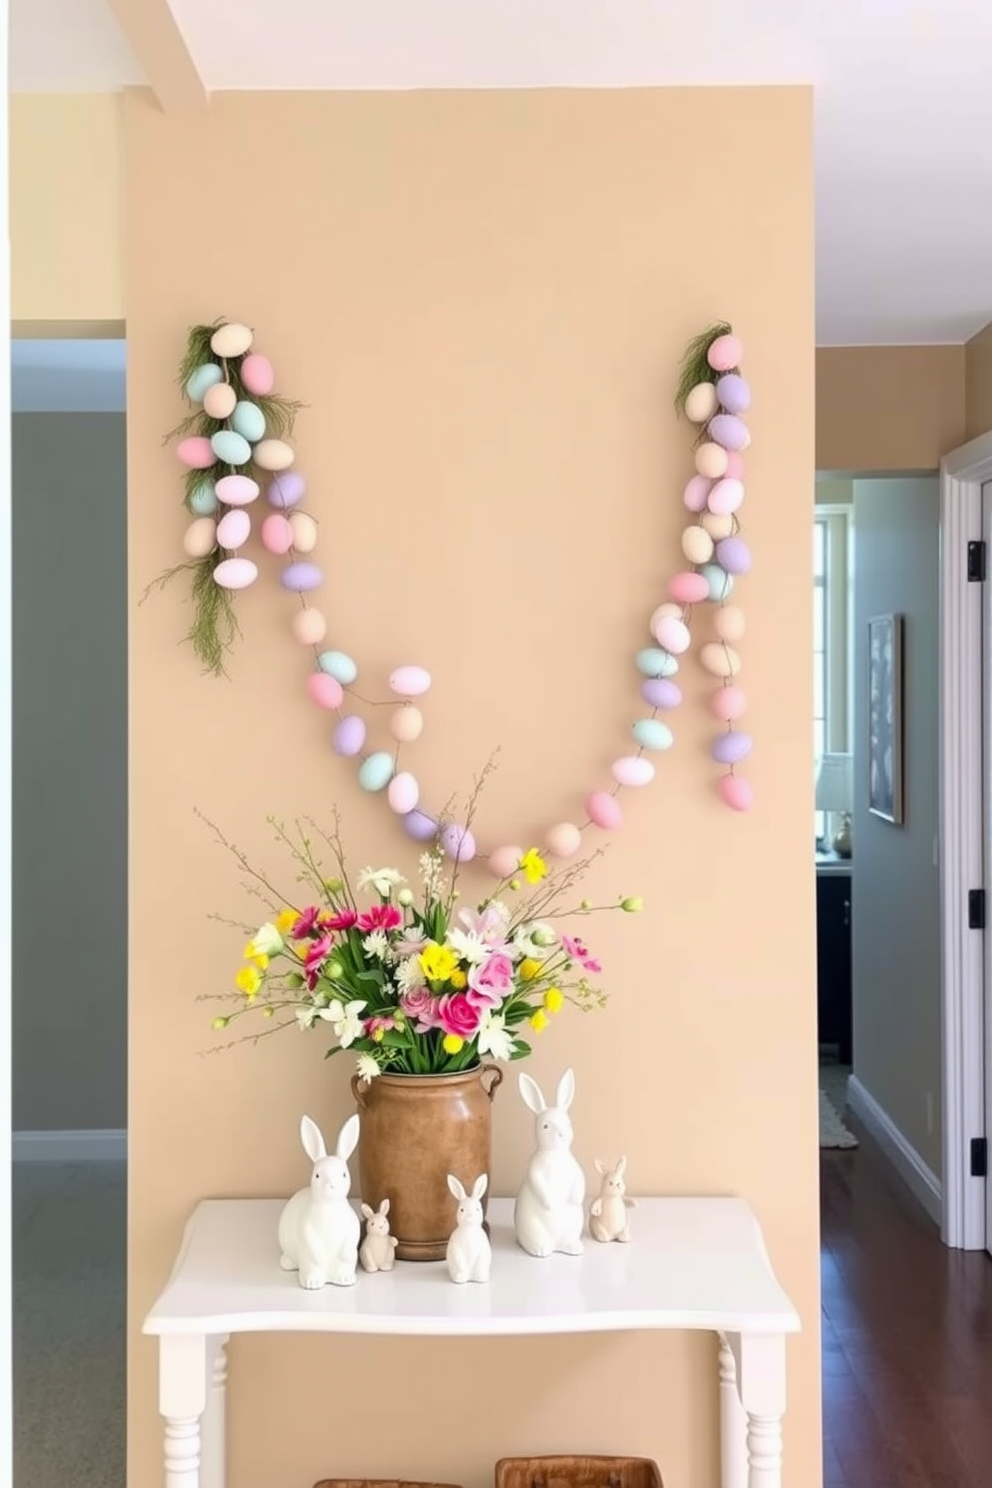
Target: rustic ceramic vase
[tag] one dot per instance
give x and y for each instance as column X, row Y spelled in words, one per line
column 416, row 1129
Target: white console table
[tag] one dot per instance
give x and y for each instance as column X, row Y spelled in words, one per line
column 692, row 1264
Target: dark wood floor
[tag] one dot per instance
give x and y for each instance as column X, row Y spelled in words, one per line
column 907, row 1338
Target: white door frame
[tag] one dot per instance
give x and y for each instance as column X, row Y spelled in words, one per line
column 961, row 849
column 6, row 1031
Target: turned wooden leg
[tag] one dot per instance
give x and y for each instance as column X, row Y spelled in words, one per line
column 182, row 1452
column 182, row 1396
column 733, row 1424
column 213, row 1460
column 760, row 1364
column 764, row 1451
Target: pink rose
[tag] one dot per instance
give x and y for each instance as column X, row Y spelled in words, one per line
column 420, row 1007
column 455, row 1014
column 490, row 981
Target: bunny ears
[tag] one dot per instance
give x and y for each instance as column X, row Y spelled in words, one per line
column 313, row 1139
column 534, row 1099
column 478, row 1188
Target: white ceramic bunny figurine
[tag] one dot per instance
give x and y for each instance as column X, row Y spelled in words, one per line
column 608, row 1214
column 378, row 1251
column 318, row 1228
column 548, row 1214
column 469, row 1255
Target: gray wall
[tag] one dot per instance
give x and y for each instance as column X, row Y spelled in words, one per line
column 70, row 771
column 896, row 925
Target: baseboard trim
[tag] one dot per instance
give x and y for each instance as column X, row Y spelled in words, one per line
column 915, row 1173
column 102, row 1145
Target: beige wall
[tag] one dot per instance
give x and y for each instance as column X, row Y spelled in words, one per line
column 884, row 408
column 978, row 387
column 483, row 299
column 896, row 927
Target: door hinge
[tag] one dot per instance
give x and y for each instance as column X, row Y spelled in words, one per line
column 976, row 909
column 979, row 1157
column 976, row 563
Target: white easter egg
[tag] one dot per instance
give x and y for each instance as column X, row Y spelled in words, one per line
column 563, row 840
column 697, row 545
column 231, row 340
column 718, row 524
column 702, row 403
column 406, row 724
column 711, row 461
column 219, row 401
column 235, row 573
column 403, row 793
column 234, row 528
column 304, row 530
column 729, row 623
column 309, row 627
column 410, row 681
column 663, row 611
column 276, row 454
column 200, row 537
column 719, row 660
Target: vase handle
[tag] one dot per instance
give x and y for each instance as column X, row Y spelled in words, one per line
column 359, row 1088
column 497, row 1080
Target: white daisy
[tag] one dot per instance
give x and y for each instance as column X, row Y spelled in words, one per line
column 376, row 944
column 494, row 1037
column 383, row 880
column 367, row 1067
column 409, row 974
column 468, row 946
column 344, row 1019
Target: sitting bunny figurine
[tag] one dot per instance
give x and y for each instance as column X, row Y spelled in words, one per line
column 318, row 1228
column 548, row 1212
column 608, row 1214
column 469, row 1256
column 378, row 1252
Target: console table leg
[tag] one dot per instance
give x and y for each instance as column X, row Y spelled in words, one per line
column 213, row 1460
column 182, row 1397
column 182, row 1452
column 733, row 1424
column 764, row 1451
column 760, row 1369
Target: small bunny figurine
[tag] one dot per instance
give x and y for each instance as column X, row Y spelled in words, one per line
column 608, row 1214
column 548, row 1215
column 469, row 1255
column 378, row 1252
column 318, row 1228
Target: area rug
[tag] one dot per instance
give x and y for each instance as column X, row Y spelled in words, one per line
column 833, row 1132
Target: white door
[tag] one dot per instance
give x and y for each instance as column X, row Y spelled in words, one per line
column 985, row 559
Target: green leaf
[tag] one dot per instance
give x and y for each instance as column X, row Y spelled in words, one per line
column 521, row 1051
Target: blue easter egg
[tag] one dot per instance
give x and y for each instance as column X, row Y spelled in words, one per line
column 651, row 733
column 203, row 499
column 338, row 664
column 376, row 771
column 201, row 380
column 230, row 448
column 653, row 662
column 348, row 736
column 721, row 585
column 248, row 420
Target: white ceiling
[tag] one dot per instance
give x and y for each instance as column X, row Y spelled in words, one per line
column 903, row 104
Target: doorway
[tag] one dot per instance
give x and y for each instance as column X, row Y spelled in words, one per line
column 981, row 563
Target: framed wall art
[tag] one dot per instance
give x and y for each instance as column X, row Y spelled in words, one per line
column 885, row 741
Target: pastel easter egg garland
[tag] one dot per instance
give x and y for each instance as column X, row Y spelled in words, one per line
column 238, row 436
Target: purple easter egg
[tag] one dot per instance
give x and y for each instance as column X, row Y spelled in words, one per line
column 286, row 489
column 661, row 692
column 300, row 578
column 728, row 431
column 348, row 736
column 734, row 555
column 734, row 393
column 731, row 748
column 696, row 491
column 458, row 843
column 420, row 826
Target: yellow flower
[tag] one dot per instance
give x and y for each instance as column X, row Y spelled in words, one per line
column 529, row 969
column 553, row 1000
column 458, row 979
column 257, row 959
column 285, row 920
column 248, row 980
column 532, row 866
column 452, row 1043
column 437, row 962
column 539, row 1021
column 378, row 1034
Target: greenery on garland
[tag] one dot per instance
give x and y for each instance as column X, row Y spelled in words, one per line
column 694, row 367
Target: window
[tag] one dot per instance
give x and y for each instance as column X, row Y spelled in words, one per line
column 832, row 592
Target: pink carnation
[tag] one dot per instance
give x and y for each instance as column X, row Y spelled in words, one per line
column 380, row 917
column 343, row 920
column 490, row 981
column 317, row 953
column 308, row 922
column 457, row 1015
column 575, row 950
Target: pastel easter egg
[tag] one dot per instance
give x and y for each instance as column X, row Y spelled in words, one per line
column 731, row 748
column 719, row 660
column 277, row 535
column 728, row 431
column 301, row 578
column 726, row 496
column 672, row 635
column 667, row 610
column 257, row 376
column 200, row 537
column 230, row 448
column 237, row 490
column 304, row 530
column 651, row 733
column 420, row 826
column 325, row 691
column 231, row 340
column 286, row 490
column 735, row 465
column 711, row 460
column 196, row 452
column 338, row 664
column 235, row 573
column 604, row 810
column 310, row 627
column 661, row 692
column 349, row 736
column 406, row 724
column 725, row 353
column 410, row 681
column 733, row 393
column 729, row 703
column 220, row 401
column 736, row 793
column 274, row 454
column 203, row 499
column 697, row 545
column 376, row 770
column 701, row 403
column 403, row 792
column 697, row 490
column 688, row 588
column 653, row 662
column 249, row 421
column 718, row 524
column 729, row 623
column 457, row 843
column 563, row 840
column 504, row 861
column 720, row 583
column 201, row 380
column 632, row 769
column 733, row 554
column 234, row 528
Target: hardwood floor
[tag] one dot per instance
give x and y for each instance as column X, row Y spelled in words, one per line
column 907, row 1338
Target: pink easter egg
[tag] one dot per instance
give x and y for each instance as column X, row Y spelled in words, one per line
column 725, row 497
column 688, row 588
column 696, row 492
column 403, row 793
column 235, row 573
column 563, row 840
column 257, row 375
column 236, row 490
column 604, row 810
column 196, row 453
column 735, row 465
column 725, row 353
column 504, row 861
column 632, row 769
column 672, row 634
column 458, row 843
column 234, row 528
column 736, row 792
column 326, row 691
column 309, row 626
column 277, row 535
column 410, row 681
column 729, row 703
